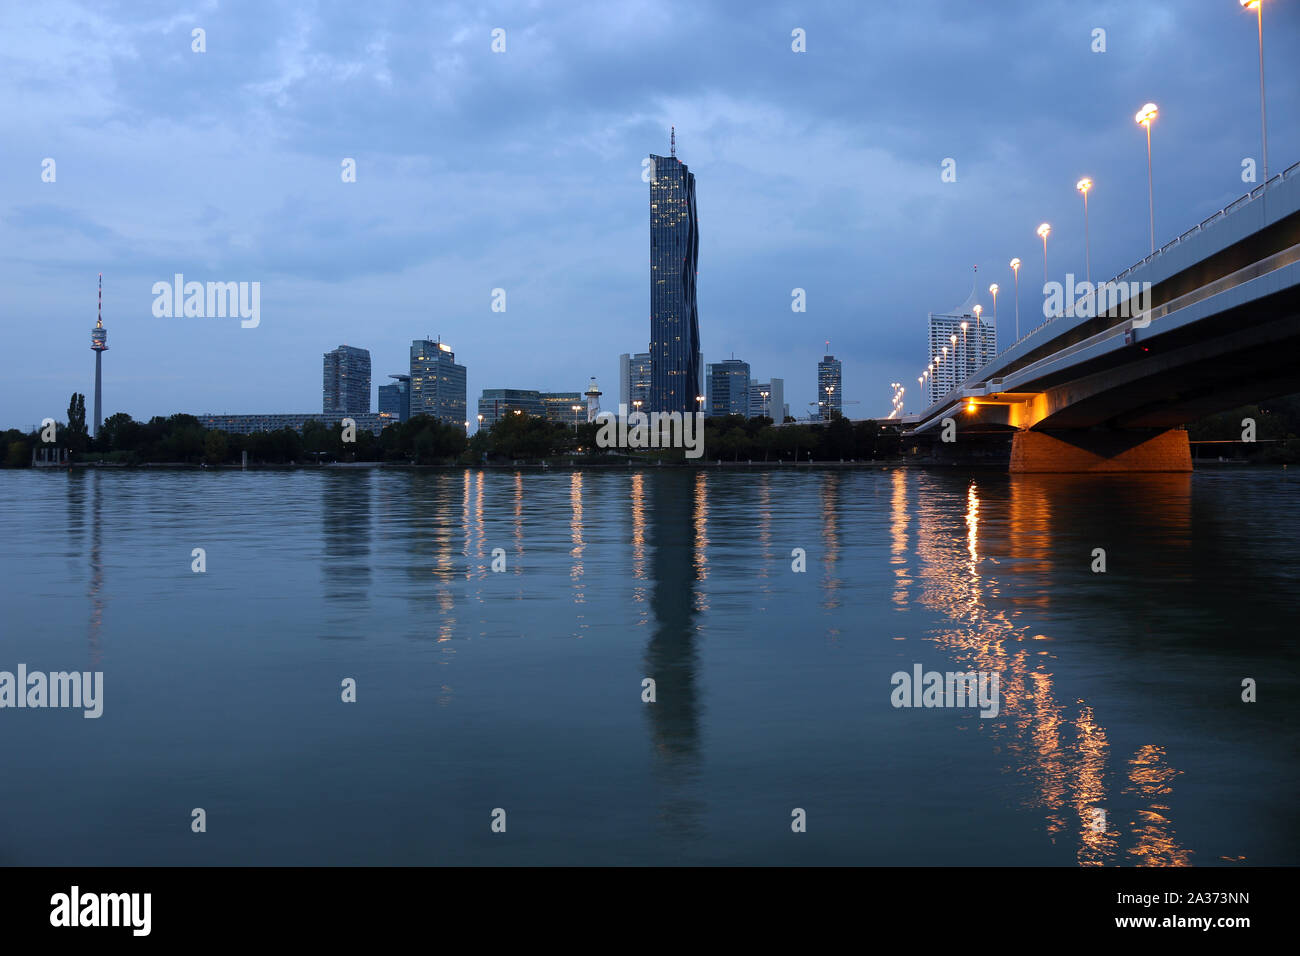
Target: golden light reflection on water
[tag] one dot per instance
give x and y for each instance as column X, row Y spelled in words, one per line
column 1150, row 779
column 899, row 516
column 640, row 589
column 701, row 523
column 1061, row 754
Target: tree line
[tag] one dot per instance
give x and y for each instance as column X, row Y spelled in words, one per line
column 424, row 440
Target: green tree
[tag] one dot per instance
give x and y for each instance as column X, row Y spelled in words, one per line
column 77, row 437
column 215, row 447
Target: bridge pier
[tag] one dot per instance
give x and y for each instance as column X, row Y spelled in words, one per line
column 1076, row 451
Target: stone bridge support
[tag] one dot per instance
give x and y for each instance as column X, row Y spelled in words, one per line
column 1085, row 450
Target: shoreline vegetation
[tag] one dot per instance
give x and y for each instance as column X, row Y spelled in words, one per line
column 525, row 441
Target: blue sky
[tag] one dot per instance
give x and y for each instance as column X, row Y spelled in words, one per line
column 522, row 170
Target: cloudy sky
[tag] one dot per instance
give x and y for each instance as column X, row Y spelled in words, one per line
column 521, row 170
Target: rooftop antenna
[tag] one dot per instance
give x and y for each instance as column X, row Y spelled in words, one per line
column 99, row 322
column 672, row 142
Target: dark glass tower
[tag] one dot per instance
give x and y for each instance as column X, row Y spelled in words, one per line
column 674, row 259
column 395, row 399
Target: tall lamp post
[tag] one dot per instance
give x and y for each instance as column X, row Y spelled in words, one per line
column 1144, row 117
column 1263, row 122
column 1083, row 185
column 1015, row 269
column 1044, row 231
column 993, row 291
column 978, row 310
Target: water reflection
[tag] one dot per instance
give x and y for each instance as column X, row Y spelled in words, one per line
column 575, row 530
column 1058, row 750
column 640, row 595
column 677, row 527
column 82, row 492
column 830, row 504
column 899, row 517
column 346, row 528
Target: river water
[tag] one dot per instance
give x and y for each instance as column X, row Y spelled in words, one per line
column 516, row 695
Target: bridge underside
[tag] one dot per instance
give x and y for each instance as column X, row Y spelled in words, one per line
column 1121, row 410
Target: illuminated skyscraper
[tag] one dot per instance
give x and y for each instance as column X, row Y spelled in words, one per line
column 830, row 388
column 674, row 258
column 437, row 382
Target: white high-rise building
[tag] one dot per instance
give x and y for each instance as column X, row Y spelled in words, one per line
column 773, row 406
column 968, row 350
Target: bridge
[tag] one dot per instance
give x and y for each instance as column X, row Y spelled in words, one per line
column 1208, row 322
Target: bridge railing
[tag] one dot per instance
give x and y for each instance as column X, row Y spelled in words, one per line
column 1237, row 203
column 1245, row 274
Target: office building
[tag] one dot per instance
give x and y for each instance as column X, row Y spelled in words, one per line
column 567, row 408
column 767, row 400
column 830, row 388
column 395, row 399
column 634, row 381
column 495, row 404
column 437, row 382
column 728, row 388
column 675, row 363
column 346, row 389
column 274, row 421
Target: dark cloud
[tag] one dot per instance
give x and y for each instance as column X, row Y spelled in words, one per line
column 522, row 170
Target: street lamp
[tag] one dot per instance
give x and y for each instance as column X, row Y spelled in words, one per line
column 1144, row 117
column 1015, row 268
column 1263, row 123
column 965, row 353
column 767, row 412
column 1083, row 185
column 1044, row 231
column 978, row 310
column 576, row 409
column 993, row 291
